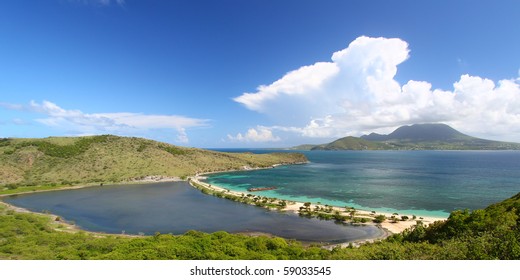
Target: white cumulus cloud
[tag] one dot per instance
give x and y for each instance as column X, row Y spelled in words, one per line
column 258, row 134
column 356, row 92
column 306, row 80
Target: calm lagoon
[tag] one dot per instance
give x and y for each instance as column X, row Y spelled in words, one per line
column 176, row 207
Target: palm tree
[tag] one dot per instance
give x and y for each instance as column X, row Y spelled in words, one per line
column 352, row 213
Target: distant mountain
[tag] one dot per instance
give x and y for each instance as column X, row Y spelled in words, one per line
column 421, row 132
column 434, row 136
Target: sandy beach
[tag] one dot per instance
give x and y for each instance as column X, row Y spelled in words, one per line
column 392, row 227
column 393, row 224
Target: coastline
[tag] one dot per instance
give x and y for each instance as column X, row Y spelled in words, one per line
column 144, row 180
column 390, row 225
column 245, row 168
column 58, row 223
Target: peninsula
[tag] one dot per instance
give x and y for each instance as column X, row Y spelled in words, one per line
column 391, row 222
column 54, row 162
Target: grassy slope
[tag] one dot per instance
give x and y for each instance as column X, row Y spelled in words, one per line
column 491, row 233
column 106, row 158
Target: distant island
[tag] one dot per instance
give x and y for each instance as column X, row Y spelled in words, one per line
column 435, row 136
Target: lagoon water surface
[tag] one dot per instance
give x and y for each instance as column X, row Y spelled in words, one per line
column 176, row 207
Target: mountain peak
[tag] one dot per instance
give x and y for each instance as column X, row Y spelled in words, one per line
column 426, row 136
column 420, row 132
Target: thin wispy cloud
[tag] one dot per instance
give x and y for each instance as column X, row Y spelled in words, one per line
column 123, row 123
column 356, row 93
column 100, row 2
column 11, row 106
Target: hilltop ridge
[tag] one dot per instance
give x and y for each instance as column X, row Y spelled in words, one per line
column 420, row 132
column 108, row 158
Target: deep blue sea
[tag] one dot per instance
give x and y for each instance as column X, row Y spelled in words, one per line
column 428, row 183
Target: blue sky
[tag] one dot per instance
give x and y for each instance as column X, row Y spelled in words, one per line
column 257, row 73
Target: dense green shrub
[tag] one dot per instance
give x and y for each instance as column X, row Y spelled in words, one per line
column 65, row 151
column 173, row 150
column 379, row 219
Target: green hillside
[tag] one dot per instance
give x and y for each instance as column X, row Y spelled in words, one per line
column 491, row 233
column 107, row 158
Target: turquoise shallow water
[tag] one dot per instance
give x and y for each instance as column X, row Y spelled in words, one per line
column 428, row 183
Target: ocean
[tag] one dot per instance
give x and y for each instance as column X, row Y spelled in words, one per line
column 428, row 183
